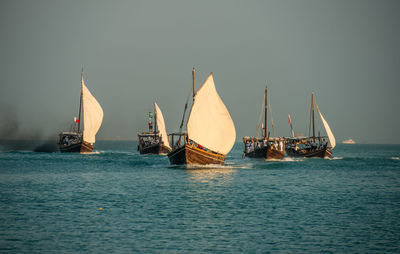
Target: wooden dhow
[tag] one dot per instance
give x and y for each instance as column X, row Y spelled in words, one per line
column 154, row 142
column 91, row 114
column 210, row 130
column 312, row 146
column 268, row 148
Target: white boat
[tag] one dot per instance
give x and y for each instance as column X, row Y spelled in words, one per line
column 348, row 141
column 155, row 142
column 91, row 114
column 312, row 146
column 210, row 130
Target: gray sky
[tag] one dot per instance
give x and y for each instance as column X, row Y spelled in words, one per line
column 135, row 52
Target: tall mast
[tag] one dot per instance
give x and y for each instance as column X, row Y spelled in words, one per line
column 155, row 122
column 187, row 101
column 291, row 126
column 266, row 113
column 80, row 102
column 194, row 82
column 312, row 115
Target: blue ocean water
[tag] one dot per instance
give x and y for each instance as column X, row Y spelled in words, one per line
column 115, row 200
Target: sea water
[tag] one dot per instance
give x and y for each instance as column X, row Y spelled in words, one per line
column 116, row 200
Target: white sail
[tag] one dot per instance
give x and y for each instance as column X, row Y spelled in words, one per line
column 332, row 141
column 161, row 125
column 92, row 115
column 210, row 123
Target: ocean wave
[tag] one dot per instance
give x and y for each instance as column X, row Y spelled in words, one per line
column 290, row 159
column 208, row 166
column 94, row 152
column 335, row 158
column 114, row 152
column 241, row 166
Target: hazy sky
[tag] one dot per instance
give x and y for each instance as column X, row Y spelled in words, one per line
column 136, row 52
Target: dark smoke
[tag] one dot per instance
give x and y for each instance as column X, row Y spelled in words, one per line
column 12, row 138
column 9, row 126
column 50, row 146
column 44, row 146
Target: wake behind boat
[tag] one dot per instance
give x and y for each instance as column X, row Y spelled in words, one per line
column 154, row 142
column 312, row 146
column 210, row 130
column 266, row 148
column 92, row 114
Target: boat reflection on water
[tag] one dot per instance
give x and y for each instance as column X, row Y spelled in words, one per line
column 221, row 175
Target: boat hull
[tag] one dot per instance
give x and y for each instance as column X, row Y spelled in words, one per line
column 81, row 147
column 190, row 155
column 267, row 153
column 317, row 153
column 154, row 149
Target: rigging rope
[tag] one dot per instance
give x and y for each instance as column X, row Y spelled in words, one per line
column 272, row 120
column 309, row 126
column 184, row 112
column 260, row 118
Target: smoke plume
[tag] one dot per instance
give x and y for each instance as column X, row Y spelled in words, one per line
column 14, row 138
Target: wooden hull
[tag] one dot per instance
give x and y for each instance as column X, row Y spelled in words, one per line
column 317, row 153
column 267, row 153
column 189, row 155
column 81, row 147
column 154, row 149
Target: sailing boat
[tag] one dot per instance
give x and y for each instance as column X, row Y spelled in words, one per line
column 92, row 114
column 266, row 147
column 312, row 146
column 154, row 142
column 210, row 130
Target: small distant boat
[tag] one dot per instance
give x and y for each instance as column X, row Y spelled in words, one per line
column 210, row 130
column 154, row 142
column 313, row 146
column 92, row 114
column 348, row 141
column 269, row 148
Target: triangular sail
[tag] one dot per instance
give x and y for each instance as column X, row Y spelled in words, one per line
column 92, row 115
column 161, row 125
column 332, row 141
column 210, row 123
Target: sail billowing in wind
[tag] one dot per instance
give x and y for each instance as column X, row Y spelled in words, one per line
column 92, row 115
column 332, row 141
column 161, row 125
column 210, row 123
